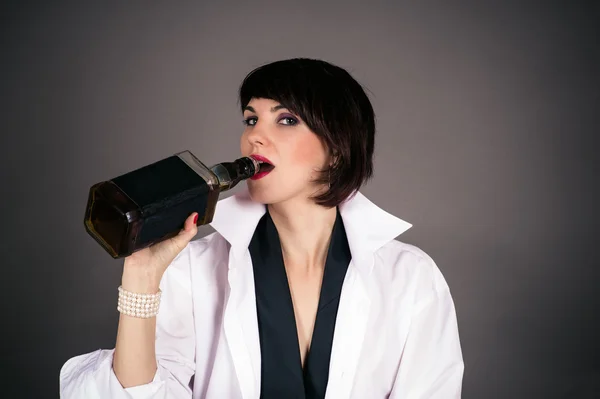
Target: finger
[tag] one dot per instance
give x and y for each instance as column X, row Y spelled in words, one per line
column 189, row 228
column 191, row 221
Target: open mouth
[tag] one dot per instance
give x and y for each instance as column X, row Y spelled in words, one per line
column 266, row 167
column 264, row 163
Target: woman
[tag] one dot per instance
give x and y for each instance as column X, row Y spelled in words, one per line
column 302, row 291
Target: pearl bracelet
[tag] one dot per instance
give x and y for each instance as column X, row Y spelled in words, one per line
column 138, row 305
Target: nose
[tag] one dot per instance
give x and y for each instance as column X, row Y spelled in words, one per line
column 258, row 135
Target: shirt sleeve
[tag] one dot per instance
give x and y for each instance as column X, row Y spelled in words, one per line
column 432, row 365
column 92, row 376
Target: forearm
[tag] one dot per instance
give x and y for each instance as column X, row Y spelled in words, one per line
column 134, row 360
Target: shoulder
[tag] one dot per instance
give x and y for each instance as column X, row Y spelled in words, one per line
column 199, row 259
column 207, row 245
column 410, row 268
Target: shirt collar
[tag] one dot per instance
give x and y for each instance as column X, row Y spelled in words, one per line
column 368, row 227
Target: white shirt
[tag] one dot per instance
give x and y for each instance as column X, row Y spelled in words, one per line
column 396, row 334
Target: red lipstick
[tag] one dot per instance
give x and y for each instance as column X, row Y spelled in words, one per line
column 266, row 166
column 260, row 158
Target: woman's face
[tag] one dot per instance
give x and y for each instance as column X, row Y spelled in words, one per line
column 297, row 153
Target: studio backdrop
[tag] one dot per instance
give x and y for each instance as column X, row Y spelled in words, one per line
column 487, row 116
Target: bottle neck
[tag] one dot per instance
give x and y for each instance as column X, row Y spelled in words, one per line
column 230, row 174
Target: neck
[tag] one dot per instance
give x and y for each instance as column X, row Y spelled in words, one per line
column 304, row 230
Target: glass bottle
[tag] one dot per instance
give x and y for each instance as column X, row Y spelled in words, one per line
column 150, row 204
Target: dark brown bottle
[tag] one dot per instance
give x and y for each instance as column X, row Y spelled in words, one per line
column 151, row 204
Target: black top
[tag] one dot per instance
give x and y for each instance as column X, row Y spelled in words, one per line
column 282, row 375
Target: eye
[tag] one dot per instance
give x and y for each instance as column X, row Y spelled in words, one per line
column 250, row 121
column 288, row 120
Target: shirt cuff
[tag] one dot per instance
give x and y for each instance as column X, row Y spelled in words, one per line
column 146, row 390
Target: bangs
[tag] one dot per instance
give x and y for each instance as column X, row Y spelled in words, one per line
column 297, row 86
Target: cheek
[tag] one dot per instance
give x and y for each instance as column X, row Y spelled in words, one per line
column 244, row 145
column 309, row 152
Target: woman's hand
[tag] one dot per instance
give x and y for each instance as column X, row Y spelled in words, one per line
column 144, row 269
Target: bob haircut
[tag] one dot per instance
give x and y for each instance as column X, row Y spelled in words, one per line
column 334, row 106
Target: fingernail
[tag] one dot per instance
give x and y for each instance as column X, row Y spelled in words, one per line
column 195, row 218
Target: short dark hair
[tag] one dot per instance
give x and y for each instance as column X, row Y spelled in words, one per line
column 334, row 106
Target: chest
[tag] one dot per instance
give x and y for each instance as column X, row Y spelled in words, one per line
column 228, row 347
column 305, row 290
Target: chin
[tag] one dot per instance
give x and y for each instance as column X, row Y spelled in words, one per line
column 262, row 196
column 269, row 194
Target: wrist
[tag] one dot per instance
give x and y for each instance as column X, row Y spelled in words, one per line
column 144, row 306
column 140, row 281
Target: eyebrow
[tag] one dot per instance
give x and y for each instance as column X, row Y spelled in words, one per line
column 273, row 109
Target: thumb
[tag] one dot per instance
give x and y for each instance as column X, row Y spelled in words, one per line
column 190, row 229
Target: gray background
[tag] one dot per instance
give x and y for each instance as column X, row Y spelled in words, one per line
column 487, row 121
